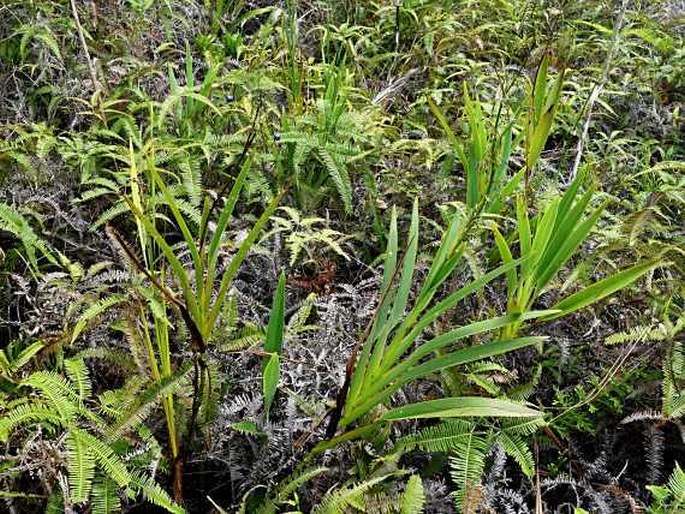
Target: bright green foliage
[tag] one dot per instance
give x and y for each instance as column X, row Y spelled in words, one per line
column 543, row 102
column 468, row 445
column 13, row 222
column 178, row 128
column 273, row 345
column 671, row 497
column 340, row 500
column 546, row 243
column 308, row 235
column 388, row 358
column 96, row 470
column 413, row 497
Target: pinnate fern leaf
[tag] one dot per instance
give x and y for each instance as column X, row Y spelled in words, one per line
column 413, row 497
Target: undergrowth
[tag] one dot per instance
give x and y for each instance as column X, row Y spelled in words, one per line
column 311, row 256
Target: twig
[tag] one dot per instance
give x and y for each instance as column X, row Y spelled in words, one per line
column 597, row 90
column 82, row 38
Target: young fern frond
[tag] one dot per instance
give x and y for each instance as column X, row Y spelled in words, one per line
column 676, row 487
column 295, row 481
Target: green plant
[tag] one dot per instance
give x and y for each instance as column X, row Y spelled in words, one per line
column 669, row 497
column 322, row 147
column 388, row 358
column 201, row 299
column 13, row 222
column 310, row 235
column 273, row 345
column 545, row 245
column 468, row 444
column 94, row 444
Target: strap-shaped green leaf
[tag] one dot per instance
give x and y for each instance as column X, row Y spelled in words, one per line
column 461, row 407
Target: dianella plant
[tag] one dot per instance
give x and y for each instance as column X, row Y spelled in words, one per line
column 189, row 277
column 394, row 352
column 546, row 242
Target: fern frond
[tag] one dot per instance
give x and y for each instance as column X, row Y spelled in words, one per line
column 339, row 501
column 13, row 222
column 445, row 437
column 112, row 212
column 518, row 449
column 81, row 465
column 25, row 414
column 93, row 312
column 297, row 322
column 297, row 480
column 152, row 492
column 339, row 176
column 77, row 371
column 140, row 405
column 56, row 390
column 676, row 486
column 636, row 334
column 522, row 427
column 104, row 456
column 466, row 468
column 413, row 497
column 104, row 496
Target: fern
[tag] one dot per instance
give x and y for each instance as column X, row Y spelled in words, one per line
column 676, row 486
column 339, row 177
column 297, row 480
column 413, row 497
column 104, row 456
column 13, row 222
column 78, row 374
column 445, row 437
column 25, row 414
column 152, row 492
column 339, row 501
column 467, row 464
column 518, row 449
column 93, row 312
column 104, row 497
column 141, row 404
column 81, row 463
column 60, row 393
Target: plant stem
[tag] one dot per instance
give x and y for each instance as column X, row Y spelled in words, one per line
column 91, row 65
column 597, row 90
